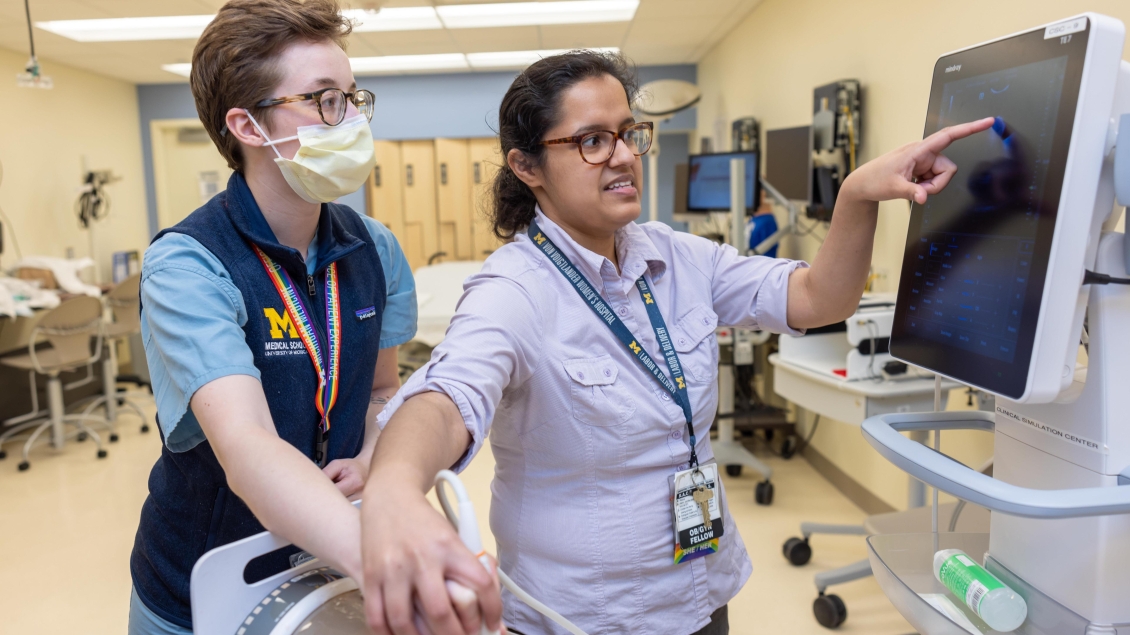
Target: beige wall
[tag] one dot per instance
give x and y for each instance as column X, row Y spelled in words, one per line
column 769, row 64
column 44, row 137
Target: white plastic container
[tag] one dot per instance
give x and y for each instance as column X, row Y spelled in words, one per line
column 999, row 606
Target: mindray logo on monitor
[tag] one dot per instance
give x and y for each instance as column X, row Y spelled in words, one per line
column 954, row 68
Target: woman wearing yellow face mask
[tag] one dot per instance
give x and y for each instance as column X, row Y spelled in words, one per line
column 270, row 316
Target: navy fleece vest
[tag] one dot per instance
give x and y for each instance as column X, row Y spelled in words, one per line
column 190, row 508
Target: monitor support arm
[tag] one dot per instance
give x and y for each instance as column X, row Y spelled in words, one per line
column 790, row 228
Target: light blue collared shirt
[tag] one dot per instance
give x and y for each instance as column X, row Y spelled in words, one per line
column 192, row 320
column 583, row 437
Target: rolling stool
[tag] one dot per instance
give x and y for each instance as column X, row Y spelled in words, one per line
column 124, row 302
column 68, row 328
column 830, row 610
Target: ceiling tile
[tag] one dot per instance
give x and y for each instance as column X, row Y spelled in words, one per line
column 501, row 39
column 569, row 36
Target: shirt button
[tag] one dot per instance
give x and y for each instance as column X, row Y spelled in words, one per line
column 677, row 434
column 682, row 341
column 623, row 311
column 607, row 373
column 580, row 375
column 705, row 321
column 666, row 397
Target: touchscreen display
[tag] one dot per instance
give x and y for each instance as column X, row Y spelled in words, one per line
column 977, row 253
column 974, row 258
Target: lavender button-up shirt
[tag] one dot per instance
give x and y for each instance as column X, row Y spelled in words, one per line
column 583, row 437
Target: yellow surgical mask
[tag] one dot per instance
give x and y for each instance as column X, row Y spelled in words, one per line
column 332, row 161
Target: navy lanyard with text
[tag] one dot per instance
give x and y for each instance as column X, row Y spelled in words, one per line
column 678, row 388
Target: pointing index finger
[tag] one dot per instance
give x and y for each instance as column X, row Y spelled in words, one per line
column 942, row 138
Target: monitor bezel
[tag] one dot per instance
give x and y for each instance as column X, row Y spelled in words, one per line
column 1007, row 379
column 756, row 180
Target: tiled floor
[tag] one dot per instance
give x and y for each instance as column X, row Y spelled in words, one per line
column 67, row 527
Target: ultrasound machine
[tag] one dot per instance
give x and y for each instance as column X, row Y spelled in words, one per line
column 1007, row 275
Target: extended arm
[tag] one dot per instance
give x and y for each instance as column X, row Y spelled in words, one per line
column 830, row 289
column 284, row 489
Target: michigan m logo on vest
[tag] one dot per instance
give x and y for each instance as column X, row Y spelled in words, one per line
column 280, row 324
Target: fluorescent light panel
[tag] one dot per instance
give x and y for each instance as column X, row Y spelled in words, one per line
column 438, row 62
column 474, row 16
column 466, row 16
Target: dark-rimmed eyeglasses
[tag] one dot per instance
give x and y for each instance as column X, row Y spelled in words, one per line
column 332, row 103
column 598, row 146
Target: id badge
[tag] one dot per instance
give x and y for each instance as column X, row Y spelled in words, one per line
column 697, row 508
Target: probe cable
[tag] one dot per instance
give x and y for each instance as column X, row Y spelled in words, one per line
column 1090, row 277
column 468, row 527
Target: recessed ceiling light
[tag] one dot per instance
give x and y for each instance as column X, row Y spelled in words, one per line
column 174, row 27
column 184, row 69
column 473, row 16
column 516, row 59
column 388, row 64
column 402, row 63
column 394, row 19
column 466, row 16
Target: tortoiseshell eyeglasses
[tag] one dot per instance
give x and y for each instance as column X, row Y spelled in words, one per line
column 598, row 146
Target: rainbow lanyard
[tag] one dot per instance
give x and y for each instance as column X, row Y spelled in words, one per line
column 327, row 366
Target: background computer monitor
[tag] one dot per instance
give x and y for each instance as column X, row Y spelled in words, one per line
column 708, row 181
column 990, row 289
column 788, row 161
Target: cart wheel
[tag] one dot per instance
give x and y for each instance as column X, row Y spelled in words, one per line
column 769, row 434
column 113, row 438
column 789, row 447
column 81, row 437
column 145, row 427
column 733, row 470
column 763, row 493
column 3, row 455
column 829, row 610
column 102, row 454
column 797, row 551
column 24, row 465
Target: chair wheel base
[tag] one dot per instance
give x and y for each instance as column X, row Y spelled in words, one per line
column 789, row 447
column 3, row 455
column 145, row 428
column 24, row 466
column 81, row 437
column 763, row 493
column 102, row 454
column 113, row 438
column 734, row 470
column 797, row 551
column 829, row 610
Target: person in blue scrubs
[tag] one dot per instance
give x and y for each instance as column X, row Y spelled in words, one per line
column 270, row 316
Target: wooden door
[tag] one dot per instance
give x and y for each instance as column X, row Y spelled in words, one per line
column 386, row 194
column 453, row 198
column 420, row 241
column 484, row 158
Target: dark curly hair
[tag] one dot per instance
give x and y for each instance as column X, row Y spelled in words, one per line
column 529, row 109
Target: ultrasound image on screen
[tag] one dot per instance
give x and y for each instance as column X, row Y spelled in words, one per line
column 973, row 261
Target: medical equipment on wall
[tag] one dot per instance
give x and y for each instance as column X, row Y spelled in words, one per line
column 32, row 77
column 745, row 135
column 661, row 100
column 855, row 349
column 836, row 138
column 996, row 279
column 311, row 598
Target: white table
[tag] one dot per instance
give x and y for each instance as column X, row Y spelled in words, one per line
column 852, row 401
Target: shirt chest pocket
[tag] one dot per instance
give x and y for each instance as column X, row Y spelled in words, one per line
column 596, row 395
column 696, row 345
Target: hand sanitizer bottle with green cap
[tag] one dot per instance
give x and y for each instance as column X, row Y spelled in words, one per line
column 999, row 606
